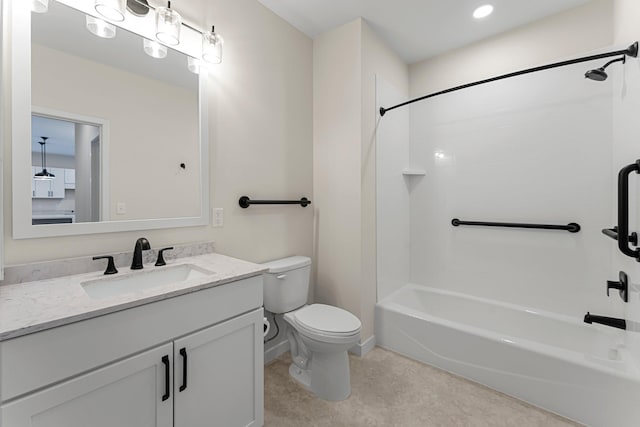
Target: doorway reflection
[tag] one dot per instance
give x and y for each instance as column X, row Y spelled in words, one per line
column 72, row 194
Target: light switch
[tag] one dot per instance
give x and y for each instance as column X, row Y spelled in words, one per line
column 121, row 208
column 218, row 217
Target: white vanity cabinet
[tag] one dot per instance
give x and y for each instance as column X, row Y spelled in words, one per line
column 126, row 393
column 127, row 368
column 221, row 367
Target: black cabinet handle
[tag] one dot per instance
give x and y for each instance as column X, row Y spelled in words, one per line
column 167, row 378
column 183, row 353
column 623, row 210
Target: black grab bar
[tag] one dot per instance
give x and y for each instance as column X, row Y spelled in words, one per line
column 245, row 202
column 572, row 227
column 623, row 210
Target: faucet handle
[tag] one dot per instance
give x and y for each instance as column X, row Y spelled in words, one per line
column 160, row 260
column 111, row 267
column 622, row 286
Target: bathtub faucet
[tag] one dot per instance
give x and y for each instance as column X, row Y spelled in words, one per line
column 608, row 321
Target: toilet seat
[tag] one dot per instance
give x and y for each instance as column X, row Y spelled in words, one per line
column 325, row 323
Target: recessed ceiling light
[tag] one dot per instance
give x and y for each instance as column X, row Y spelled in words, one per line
column 483, row 11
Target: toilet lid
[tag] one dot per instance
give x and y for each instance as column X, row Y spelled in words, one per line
column 327, row 319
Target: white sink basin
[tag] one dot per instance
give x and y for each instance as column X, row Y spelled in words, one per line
column 141, row 280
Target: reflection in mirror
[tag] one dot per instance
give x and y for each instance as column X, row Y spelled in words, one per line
column 143, row 154
column 65, row 186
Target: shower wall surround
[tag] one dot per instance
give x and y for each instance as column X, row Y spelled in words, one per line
column 535, row 148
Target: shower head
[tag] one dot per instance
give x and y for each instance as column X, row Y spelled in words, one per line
column 599, row 75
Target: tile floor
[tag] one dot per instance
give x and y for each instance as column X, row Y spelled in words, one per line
column 391, row 390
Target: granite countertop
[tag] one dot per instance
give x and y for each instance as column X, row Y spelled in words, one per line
column 38, row 305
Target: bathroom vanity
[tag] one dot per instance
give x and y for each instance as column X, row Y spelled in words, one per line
column 187, row 353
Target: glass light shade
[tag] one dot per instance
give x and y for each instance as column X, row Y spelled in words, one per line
column 100, row 28
column 113, row 10
column 154, row 49
column 168, row 23
column 193, row 65
column 212, row 47
column 39, row 6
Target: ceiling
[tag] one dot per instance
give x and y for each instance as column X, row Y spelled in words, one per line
column 417, row 29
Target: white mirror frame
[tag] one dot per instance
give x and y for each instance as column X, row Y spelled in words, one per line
column 19, row 18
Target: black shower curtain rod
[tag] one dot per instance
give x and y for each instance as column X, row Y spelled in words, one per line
column 630, row 51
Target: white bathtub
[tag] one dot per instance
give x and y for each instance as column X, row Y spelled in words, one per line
column 580, row 371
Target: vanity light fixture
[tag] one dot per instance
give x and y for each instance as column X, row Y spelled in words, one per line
column 212, row 46
column 483, row 11
column 100, row 28
column 113, row 10
column 39, row 6
column 44, row 174
column 154, row 49
column 168, row 23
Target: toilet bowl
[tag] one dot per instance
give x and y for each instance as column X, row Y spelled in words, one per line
column 319, row 335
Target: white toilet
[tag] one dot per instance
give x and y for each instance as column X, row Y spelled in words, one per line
column 319, row 335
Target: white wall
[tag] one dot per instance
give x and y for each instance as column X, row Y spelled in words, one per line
column 337, row 138
column 261, row 134
column 346, row 62
column 393, row 191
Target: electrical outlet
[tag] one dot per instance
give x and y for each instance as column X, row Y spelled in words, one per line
column 121, row 208
column 218, row 217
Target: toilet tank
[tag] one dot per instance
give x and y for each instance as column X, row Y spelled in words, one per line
column 286, row 283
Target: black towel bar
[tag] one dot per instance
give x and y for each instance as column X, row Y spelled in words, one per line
column 245, row 202
column 572, row 227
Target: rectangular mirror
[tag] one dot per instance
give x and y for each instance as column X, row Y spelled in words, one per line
column 105, row 137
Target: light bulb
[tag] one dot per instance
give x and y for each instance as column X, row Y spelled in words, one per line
column 100, row 28
column 154, row 49
column 193, row 65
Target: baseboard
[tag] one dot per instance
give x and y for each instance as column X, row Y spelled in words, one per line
column 275, row 351
column 361, row 349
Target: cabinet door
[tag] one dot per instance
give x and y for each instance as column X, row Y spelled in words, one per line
column 224, row 382
column 128, row 393
column 57, row 183
column 42, row 188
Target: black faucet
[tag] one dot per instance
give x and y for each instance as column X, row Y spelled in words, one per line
column 142, row 244
column 608, row 321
